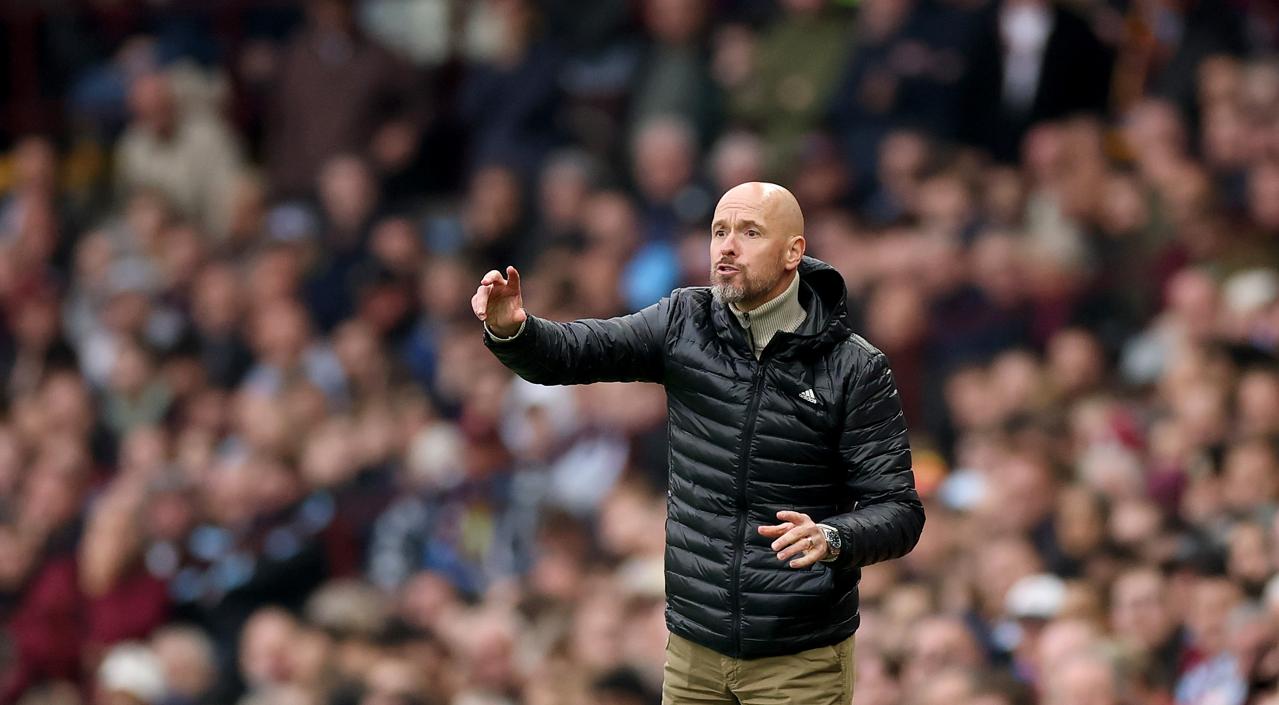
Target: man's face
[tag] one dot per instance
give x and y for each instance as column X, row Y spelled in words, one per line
column 1138, row 608
column 750, row 249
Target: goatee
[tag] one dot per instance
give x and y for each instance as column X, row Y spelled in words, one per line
column 727, row 293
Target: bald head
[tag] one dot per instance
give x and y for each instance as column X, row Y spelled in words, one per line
column 757, row 242
column 776, row 204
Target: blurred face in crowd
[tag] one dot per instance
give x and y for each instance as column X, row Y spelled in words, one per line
column 274, row 274
column 330, row 15
column 35, row 164
column 1061, row 640
column 939, row 643
column 1153, row 128
column 611, row 223
column 945, row 204
column 1123, row 207
column 596, row 633
column 393, row 682
column 897, row 317
column 737, row 157
column 674, row 21
column 1211, row 601
column 36, row 324
column 663, row 157
column 1079, row 521
column 54, row 488
column 1084, row 680
column 16, row 554
column 396, row 245
column 1249, row 477
column 11, row 463
column 493, row 204
column 1248, row 559
column 426, row 599
column 1257, row 402
column 1004, row 562
column 490, row 650
column 1026, row 492
column 216, row 303
column 439, row 286
column 186, row 655
column 281, row 332
column 347, row 191
column 131, row 372
column 901, row 157
column 757, row 240
column 264, row 647
column 151, row 99
column 1224, row 137
column 1139, row 610
column 563, row 190
column 1075, row 360
column 1263, row 196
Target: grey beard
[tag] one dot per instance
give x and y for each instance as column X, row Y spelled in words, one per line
column 727, row 294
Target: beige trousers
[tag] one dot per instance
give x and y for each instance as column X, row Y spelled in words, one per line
column 696, row 675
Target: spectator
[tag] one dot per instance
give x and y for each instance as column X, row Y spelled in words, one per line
column 184, row 152
column 674, row 78
column 509, row 101
column 1035, row 61
column 337, row 91
column 786, row 80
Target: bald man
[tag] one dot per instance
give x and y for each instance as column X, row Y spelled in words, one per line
column 789, row 465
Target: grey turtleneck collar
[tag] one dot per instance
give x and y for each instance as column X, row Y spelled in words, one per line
column 782, row 313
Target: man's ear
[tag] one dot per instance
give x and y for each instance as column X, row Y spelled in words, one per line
column 795, row 251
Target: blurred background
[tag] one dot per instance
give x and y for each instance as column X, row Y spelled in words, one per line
column 252, row 449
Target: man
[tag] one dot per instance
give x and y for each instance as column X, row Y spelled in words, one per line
column 789, row 465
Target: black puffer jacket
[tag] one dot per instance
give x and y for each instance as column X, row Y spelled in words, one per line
column 745, row 443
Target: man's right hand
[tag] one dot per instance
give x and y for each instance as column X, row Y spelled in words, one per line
column 498, row 302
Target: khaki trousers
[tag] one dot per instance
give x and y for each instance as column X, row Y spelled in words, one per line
column 696, row 675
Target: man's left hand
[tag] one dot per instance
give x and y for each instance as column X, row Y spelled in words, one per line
column 797, row 533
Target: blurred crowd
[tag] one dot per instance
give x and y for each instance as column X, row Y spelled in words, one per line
column 252, row 449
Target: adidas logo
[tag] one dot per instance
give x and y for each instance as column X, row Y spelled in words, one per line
column 808, row 396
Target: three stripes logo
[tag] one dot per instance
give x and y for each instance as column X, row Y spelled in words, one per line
column 808, row 396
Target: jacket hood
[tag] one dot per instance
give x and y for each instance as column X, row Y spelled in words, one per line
column 823, row 295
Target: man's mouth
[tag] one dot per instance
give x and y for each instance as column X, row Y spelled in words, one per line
column 726, row 269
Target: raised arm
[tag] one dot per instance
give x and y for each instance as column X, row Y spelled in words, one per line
column 623, row 349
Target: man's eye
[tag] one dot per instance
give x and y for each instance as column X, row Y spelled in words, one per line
column 752, row 233
column 719, row 233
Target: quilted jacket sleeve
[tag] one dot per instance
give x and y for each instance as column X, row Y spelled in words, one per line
column 887, row 519
column 624, row 349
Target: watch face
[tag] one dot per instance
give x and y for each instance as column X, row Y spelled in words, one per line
column 832, row 538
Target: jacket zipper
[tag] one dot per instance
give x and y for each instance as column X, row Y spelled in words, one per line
column 739, row 542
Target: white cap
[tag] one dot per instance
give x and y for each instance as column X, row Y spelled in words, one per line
column 1035, row 597
column 1251, row 290
column 134, row 669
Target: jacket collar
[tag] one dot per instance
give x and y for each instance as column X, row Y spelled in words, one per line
column 823, row 295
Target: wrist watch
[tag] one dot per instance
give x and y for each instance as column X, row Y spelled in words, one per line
column 833, row 542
